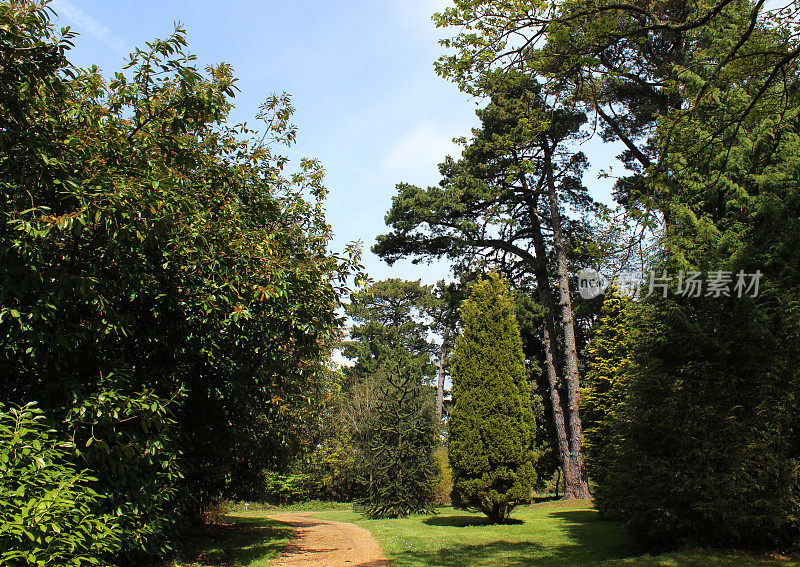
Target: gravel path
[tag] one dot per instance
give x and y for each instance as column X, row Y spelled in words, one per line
column 320, row 543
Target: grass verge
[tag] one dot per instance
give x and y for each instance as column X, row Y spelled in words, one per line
column 557, row 534
column 306, row 506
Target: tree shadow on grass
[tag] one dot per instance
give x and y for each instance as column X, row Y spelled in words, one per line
column 608, row 541
column 595, row 539
column 544, row 498
column 464, row 521
column 237, row 541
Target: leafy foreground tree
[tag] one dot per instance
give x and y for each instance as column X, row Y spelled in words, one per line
column 167, row 295
column 492, row 424
column 400, row 441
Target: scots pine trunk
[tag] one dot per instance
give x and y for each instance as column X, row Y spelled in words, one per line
column 578, row 485
column 572, row 477
column 549, row 343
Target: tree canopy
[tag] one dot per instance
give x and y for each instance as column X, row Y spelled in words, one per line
column 625, row 62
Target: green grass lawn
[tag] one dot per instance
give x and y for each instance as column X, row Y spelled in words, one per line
column 243, row 539
column 558, row 534
column 548, row 534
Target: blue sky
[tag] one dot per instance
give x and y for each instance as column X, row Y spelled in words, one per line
column 368, row 103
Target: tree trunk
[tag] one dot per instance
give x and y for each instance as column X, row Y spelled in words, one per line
column 579, row 488
column 441, row 373
column 549, row 344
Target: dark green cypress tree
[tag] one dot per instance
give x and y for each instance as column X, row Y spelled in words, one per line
column 492, row 424
column 399, row 443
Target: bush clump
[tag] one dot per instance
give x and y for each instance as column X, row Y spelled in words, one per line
column 703, row 448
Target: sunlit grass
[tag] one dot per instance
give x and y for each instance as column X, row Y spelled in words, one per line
column 558, row 534
column 307, row 506
column 548, row 534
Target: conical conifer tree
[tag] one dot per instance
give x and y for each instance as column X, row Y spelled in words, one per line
column 491, row 442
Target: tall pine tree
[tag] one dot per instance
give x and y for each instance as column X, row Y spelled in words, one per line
column 492, row 423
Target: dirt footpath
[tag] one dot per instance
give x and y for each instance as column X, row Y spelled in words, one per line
column 320, row 543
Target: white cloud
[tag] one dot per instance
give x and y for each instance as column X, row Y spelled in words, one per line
column 85, row 23
column 414, row 157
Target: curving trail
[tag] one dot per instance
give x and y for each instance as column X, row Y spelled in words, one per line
column 320, row 543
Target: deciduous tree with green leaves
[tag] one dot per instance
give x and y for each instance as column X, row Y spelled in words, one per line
column 167, row 294
column 50, row 513
column 624, row 62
